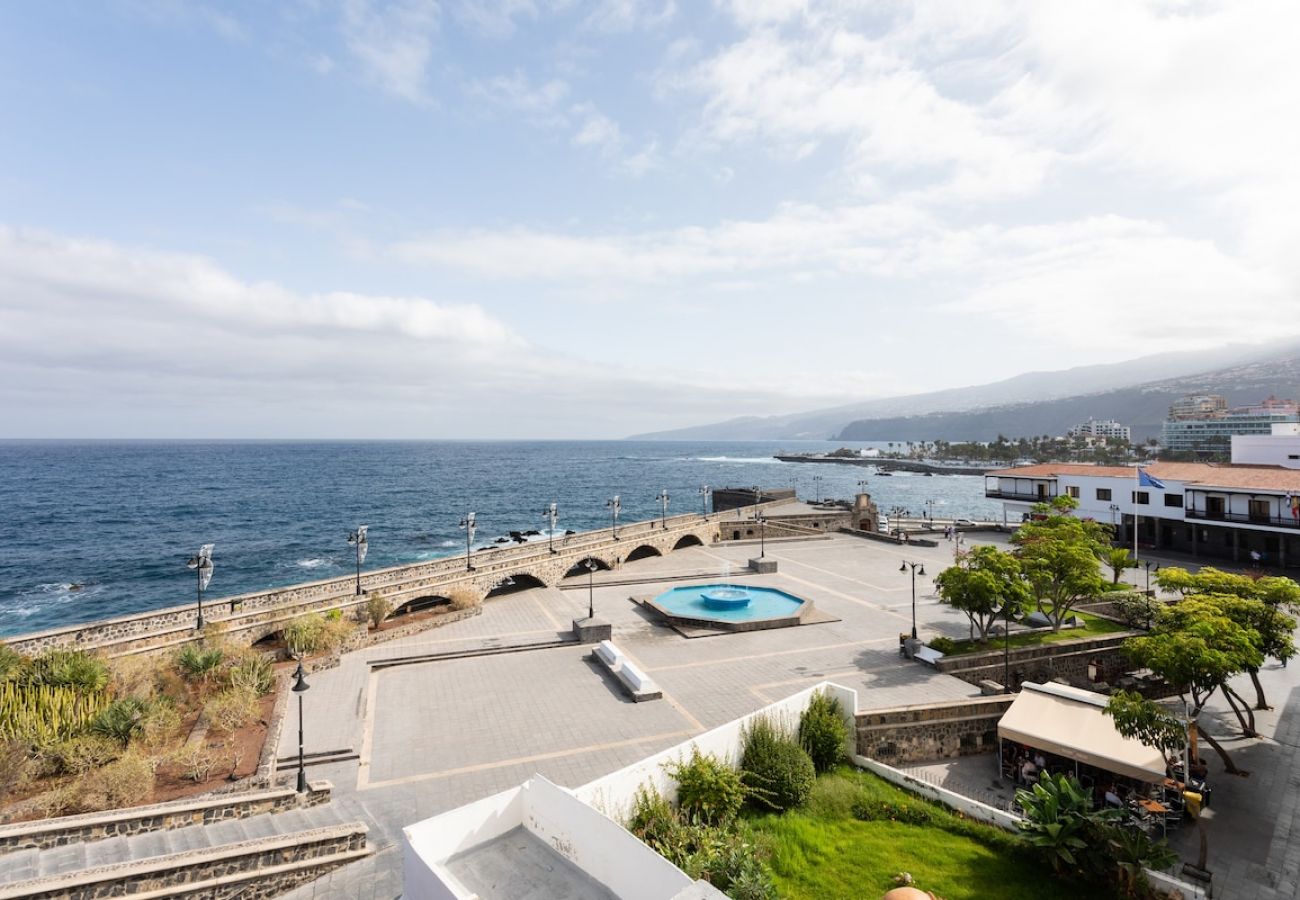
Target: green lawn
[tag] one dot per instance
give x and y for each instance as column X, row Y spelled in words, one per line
column 1095, row 626
column 822, row 852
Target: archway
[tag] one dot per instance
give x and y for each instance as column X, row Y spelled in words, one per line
column 580, row 567
column 515, row 583
column 416, row 604
column 643, row 552
column 688, row 540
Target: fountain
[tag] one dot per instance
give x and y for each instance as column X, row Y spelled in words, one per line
column 728, row 607
column 725, row 597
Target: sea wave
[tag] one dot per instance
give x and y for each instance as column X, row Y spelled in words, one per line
column 736, row 459
column 314, row 562
column 41, row 597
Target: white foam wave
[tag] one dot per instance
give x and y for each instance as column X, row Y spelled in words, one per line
column 315, row 562
column 448, row 543
column 738, row 459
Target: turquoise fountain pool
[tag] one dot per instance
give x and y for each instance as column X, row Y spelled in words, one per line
column 730, row 605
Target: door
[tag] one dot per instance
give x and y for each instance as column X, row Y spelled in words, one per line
column 1214, row 507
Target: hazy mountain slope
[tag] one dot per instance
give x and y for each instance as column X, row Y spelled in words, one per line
column 1033, row 386
column 1143, row 408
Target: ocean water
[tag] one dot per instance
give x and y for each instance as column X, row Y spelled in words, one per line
column 95, row 529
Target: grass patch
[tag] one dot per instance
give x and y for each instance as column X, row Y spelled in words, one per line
column 1094, row 626
column 827, row 849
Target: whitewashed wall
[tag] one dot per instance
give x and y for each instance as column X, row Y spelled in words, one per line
column 427, row 844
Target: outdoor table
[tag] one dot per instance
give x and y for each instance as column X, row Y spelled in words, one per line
column 1155, row 807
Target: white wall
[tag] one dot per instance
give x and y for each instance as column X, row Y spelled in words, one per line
column 981, row 812
column 1281, row 448
column 614, row 793
column 427, row 844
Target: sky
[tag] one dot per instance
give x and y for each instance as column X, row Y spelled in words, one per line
column 590, row 218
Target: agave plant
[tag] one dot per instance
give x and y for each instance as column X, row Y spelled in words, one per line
column 198, row 662
column 122, row 719
column 69, row 668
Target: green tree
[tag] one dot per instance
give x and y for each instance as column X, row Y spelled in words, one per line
column 986, row 580
column 1058, row 555
column 1117, row 559
column 1058, row 818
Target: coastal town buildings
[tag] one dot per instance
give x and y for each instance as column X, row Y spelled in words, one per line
column 1234, row 511
column 1105, row 429
column 1205, row 424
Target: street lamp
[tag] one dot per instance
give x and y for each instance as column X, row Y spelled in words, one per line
column 201, row 563
column 1114, row 508
column 705, row 491
column 552, row 515
column 915, row 566
column 762, row 536
column 1006, row 649
column 300, row 687
column 591, row 567
column 614, row 507
column 359, row 539
column 929, row 505
column 957, row 543
column 470, row 527
column 862, row 485
column 1150, row 566
column 663, row 504
column 817, row 487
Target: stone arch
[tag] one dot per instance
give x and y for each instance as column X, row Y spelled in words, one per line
column 580, row 567
column 517, row 581
column 643, row 552
column 688, row 540
column 417, row 604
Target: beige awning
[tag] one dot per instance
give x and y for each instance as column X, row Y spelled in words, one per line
column 1069, row 722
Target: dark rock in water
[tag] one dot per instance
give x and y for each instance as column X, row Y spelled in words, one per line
column 502, row 540
column 516, row 536
column 73, row 588
column 532, row 532
column 570, row 531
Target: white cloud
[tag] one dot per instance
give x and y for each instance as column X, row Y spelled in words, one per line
column 517, row 93
column 595, row 129
column 494, row 18
column 393, row 42
column 629, row 15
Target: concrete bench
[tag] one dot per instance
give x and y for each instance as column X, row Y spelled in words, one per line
column 927, row 655
column 638, row 685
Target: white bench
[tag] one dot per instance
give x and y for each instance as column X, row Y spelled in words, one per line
column 630, row 678
column 927, row 655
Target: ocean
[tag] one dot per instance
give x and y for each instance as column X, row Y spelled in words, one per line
column 93, row 529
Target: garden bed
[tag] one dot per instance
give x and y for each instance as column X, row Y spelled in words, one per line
column 1094, row 626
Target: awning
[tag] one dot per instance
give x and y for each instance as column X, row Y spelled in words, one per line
column 1069, row 722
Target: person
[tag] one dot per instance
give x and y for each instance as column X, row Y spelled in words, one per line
column 1028, row 772
column 1255, row 558
column 1039, row 760
column 1112, row 796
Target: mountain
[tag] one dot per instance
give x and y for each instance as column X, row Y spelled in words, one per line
column 1142, row 407
column 1029, row 389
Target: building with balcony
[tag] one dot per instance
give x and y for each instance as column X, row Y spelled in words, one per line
column 1205, row 425
column 1109, row 429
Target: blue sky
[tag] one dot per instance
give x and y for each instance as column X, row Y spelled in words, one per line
column 550, row 218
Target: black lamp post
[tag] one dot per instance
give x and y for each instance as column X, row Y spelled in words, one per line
column 762, row 536
column 614, row 507
column 361, row 542
column 470, row 527
column 300, row 687
column 201, row 563
column 663, row 505
column 915, row 567
column 862, row 485
column 1006, row 649
column 1150, row 566
column 552, row 515
column 704, row 493
column 817, row 487
column 591, row 567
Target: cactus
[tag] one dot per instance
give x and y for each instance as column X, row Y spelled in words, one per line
column 44, row 714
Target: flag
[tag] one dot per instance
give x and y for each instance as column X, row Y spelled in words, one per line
column 1145, row 480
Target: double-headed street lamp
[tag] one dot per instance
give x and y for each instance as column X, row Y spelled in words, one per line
column 300, row 687
column 915, row 566
column 705, row 491
column 591, row 567
column 614, row 507
column 470, row 527
column 817, row 487
column 1150, row 567
column 552, row 515
column 663, row 505
column 761, row 521
column 359, row 540
column 1114, row 508
column 862, row 485
column 201, row 563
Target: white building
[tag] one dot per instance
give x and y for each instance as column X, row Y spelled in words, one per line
column 1217, row 510
column 1107, row 429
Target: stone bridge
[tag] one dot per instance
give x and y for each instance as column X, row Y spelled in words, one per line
column 252, row 617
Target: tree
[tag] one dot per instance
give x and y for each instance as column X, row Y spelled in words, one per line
column 986, row 581
column 1146, row 721
column 1117, row 559
column 1058, row 555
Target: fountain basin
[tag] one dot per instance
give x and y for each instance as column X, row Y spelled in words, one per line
column 729, row 608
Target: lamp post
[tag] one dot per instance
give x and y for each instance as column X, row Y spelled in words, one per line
column 552, row 515
column 1149, row 566
column 1114, row 508
column 1006, row 649
column 663, row 506
column 614, row 507
column 362, row 543
column 762, row 536
column 705, row 491
column 470, row 527
column 201, row 563
column 817, row 487
column 929, row 505
column 915, row 566
column 957, row 545
column 862, row 485
column 300, row 687
column 590, row 566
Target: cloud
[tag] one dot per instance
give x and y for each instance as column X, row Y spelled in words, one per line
column 393, row 42
column 517, row 93
column 493, row 18
column 595, row 129
column 630, row 15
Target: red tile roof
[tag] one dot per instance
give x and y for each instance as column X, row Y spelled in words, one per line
column 1202, row 475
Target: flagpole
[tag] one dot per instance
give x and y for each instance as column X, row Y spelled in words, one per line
column 1135, row 514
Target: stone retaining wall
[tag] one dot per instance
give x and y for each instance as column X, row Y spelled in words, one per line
column 249, row 869
column 49, row 833
column 1064, row 661
column 932, row 730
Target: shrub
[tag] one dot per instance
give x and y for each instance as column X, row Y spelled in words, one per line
column 314, row 633
column 709, row 792
column 654, row 821
column 199, row 663
column 252, row 673
column 11, row 662
column 126, row 782
column 79, row 755
column 1136, row 610
column 463, row 598
column 69, row 668
column 121, row 719
column 871, row 810
column 44, row 714
column 943, row 644
column 195, row 761
column 822, row 731
column 778, row 773
column 232, row 709
column 158, row 727
column 377, row 609
column 135, row 676
column 15, row 766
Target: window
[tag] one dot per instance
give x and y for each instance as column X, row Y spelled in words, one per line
column 1103, row 493
column 1073, row 491
column 1142, row 498
column 1259, row 511
column 1175, row 500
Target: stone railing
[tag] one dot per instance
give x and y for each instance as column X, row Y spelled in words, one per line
column 931, row 730
column 48, row 833
column 1067, row 661
column 252, row 616
column 263, row 867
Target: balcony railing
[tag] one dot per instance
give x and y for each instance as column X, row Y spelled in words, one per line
column 1243, row 518
column 1015, row 495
